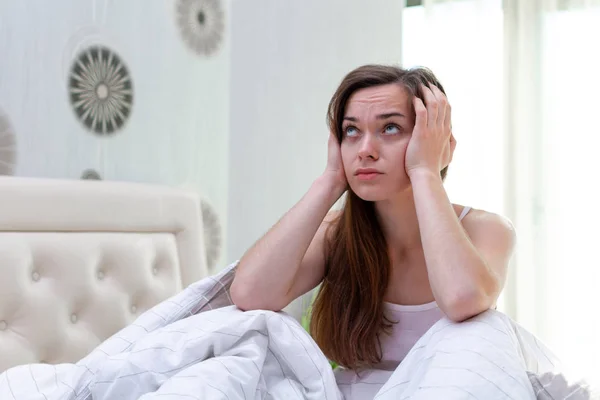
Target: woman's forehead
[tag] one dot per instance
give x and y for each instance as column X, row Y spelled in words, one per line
column 391, row 96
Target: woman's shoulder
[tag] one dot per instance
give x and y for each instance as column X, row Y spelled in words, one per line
column 332, row 218
column 332, row 215
column 478, row 222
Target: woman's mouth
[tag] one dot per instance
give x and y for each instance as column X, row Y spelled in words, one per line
column 367, row 174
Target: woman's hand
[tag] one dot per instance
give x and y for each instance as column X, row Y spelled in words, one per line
column 334, row 172
column 432, row 144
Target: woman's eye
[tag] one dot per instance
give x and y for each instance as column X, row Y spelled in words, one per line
column 392, row 130
column 351, row 131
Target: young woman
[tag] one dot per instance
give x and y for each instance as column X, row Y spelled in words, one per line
column 399, row 255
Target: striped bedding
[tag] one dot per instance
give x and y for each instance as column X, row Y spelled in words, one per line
column 197, row 345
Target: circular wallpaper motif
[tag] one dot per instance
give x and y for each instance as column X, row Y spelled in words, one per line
column 8, row 146
column 91, row 174
column 101, row 90
column 212, row 234
column 201, row 23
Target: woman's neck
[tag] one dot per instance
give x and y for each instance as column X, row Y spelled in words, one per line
column 398, row 219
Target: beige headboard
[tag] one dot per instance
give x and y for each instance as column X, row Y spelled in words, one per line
column 81, row 259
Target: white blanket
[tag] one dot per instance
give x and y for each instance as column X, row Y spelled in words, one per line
column 197, row 345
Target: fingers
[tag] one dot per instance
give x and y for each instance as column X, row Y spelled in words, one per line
column 334, row 160
column 432, row 106
column 435, row 113
column 420, row 112
column 448, row 118
column 447, row 121
column 333, row 136
column 443, row 119
column 437, row 100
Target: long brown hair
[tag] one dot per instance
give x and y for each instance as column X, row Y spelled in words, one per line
column 347, row 316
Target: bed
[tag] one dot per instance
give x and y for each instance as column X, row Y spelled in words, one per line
column 80, row 260
column 105, row 294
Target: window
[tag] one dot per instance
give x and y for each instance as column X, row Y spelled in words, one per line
column 461, row 42
column 553, row 105
column 570, row 150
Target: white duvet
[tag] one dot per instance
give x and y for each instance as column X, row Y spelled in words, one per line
column 197, row 345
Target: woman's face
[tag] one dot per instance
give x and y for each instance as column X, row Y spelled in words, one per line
column 377, row 126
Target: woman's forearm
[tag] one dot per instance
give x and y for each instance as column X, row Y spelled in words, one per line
column 461, row 281
column 267, row 270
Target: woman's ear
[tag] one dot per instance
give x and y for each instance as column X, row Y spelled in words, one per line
column 449, row 151
column 452, row 146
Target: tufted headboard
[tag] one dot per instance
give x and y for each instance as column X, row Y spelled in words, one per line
column 81, row 259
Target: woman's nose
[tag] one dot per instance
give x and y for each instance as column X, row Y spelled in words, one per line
column 368, row 148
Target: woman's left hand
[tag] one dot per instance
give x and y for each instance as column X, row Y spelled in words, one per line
column 432, row 144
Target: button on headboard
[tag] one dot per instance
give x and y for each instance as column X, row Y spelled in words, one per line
column 79, row 260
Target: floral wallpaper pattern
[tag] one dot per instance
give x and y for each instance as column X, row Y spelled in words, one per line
column 104, row 90
column 201, row 23
column 101, row 90
column 8, row 146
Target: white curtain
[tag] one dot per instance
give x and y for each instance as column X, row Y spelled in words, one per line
column 569, row 149
column 521, row 75
column 550, row 110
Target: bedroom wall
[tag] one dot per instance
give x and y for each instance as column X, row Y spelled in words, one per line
column 176, row 132
column 287, row 59
column 243, row 125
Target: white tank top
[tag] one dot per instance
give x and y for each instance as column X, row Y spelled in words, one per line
column 412, row 322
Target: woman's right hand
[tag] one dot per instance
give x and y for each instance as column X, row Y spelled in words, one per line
column 334, row 172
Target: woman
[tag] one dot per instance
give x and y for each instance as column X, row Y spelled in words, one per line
column 399, row 255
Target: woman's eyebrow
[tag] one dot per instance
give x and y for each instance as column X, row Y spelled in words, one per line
column 380, row 116
column 390, row 115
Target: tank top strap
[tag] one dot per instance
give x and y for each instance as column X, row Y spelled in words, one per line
column 464, row 213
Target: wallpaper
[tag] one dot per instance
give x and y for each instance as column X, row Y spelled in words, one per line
column 134, row 91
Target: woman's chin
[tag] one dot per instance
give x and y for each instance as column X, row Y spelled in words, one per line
column 369, row 193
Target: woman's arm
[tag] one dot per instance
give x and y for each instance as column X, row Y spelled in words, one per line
column 290, row 259
column 466, row 266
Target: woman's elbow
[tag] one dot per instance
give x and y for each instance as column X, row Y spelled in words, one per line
column 241, row 296
column 467, row 305
column 238, row 299
column 244, row 297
